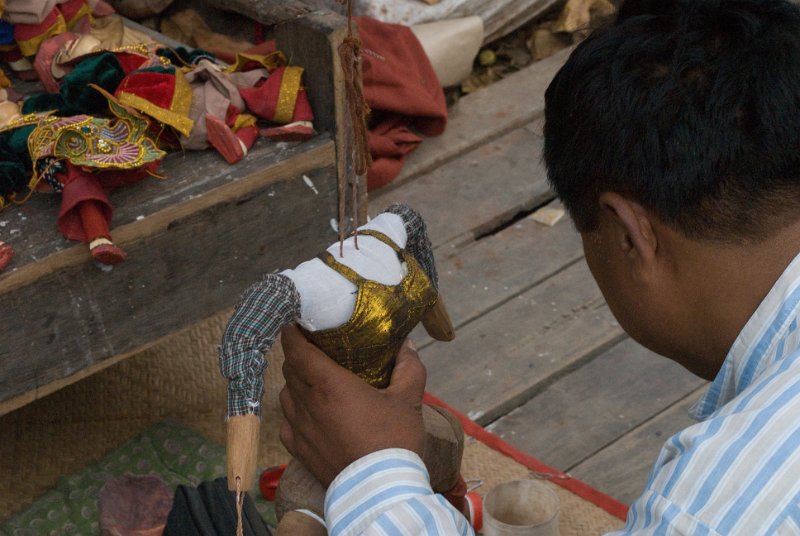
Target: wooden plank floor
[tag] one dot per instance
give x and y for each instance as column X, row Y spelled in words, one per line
column 538, row 358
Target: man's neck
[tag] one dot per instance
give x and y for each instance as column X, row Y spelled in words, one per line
column 724, row 285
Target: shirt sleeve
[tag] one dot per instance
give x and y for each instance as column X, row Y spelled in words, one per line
column 386, row 493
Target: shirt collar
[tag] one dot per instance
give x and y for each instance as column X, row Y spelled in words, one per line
column 756, row 345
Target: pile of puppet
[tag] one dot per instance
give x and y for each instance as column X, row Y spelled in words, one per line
column 115, row 102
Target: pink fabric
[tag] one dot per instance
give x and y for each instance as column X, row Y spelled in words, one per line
column 45, row 57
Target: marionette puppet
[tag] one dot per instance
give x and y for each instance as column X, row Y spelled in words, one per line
column 82, row 157
column 358, row 303
column 218, row 110
column 226, row 103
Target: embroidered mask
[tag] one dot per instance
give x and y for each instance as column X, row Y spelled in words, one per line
column 94, row 142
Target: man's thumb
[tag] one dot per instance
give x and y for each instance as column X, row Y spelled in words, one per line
column 409, row 375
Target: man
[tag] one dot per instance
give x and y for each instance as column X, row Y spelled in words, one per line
column 673, row 139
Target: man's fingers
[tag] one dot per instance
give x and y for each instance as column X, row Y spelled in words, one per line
column 287, row 437
column 287, row 404
column 409, row 374
column 302, row 358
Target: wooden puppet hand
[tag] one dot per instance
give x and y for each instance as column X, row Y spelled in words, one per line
column 333, row 417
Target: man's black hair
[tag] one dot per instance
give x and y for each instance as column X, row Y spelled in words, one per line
column 692, row 111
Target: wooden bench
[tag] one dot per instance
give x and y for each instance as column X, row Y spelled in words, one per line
column 195, row 240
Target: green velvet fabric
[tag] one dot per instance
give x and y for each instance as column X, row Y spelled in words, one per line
column 165, row 69
column 15, row 161
column 76, row 97
column 168, row 450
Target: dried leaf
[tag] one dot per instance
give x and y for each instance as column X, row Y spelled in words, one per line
column 480, row 79
column 548, row 216
column 579, row 15
column 543, row 43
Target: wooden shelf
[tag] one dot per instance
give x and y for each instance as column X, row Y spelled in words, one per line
column 195, row 241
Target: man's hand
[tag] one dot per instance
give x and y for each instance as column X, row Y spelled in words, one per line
column 333, row 417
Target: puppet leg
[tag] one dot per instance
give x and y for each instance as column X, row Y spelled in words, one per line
column 98, row 235
column 233, row 146
column 85, row 214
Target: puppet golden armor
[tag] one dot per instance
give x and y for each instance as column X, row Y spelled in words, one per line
column 358, row 307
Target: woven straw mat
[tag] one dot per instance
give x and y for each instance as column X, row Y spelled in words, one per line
column 179, row 379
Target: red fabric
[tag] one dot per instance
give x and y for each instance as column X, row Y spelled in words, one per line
column 302, row 108
column 6, row 254
column 290, row 132
column 268, row 482
column 93, row 218
column 70, row 9
column 11, row 55
column 130, row 61
column 248, row 135
column 458, row 495
column 262, row 99
column 579, row 488
column 24, row 32
column 263, row 48
column 402, row 90
column 221, row 137
column 81, row 186
column 389, row 143
column 157, row 88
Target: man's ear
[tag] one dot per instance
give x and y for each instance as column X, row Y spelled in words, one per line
column 632, row 225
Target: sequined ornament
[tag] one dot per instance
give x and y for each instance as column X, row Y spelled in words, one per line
column 93, row 142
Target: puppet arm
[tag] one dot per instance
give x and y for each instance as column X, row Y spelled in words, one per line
column 436, row 320
column 264, row 309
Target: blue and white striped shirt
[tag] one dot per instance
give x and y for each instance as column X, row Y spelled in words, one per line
column 737, row 472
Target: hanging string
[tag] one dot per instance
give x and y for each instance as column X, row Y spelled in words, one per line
column 350, row 57
column 239, row 504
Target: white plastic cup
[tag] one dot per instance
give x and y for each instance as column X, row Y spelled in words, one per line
column 521, row 508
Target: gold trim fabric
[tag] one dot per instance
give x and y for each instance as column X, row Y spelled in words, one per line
column 287, row 97
column 180, row 123
column 93, row 142
column 29, row 47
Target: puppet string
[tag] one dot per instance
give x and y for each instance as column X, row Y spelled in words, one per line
column 350, row 58
column 239, row 504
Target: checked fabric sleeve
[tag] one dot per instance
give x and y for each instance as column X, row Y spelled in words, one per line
column 264, row 310
column 418, row 243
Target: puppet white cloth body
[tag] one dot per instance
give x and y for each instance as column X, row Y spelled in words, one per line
column 357, row 307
